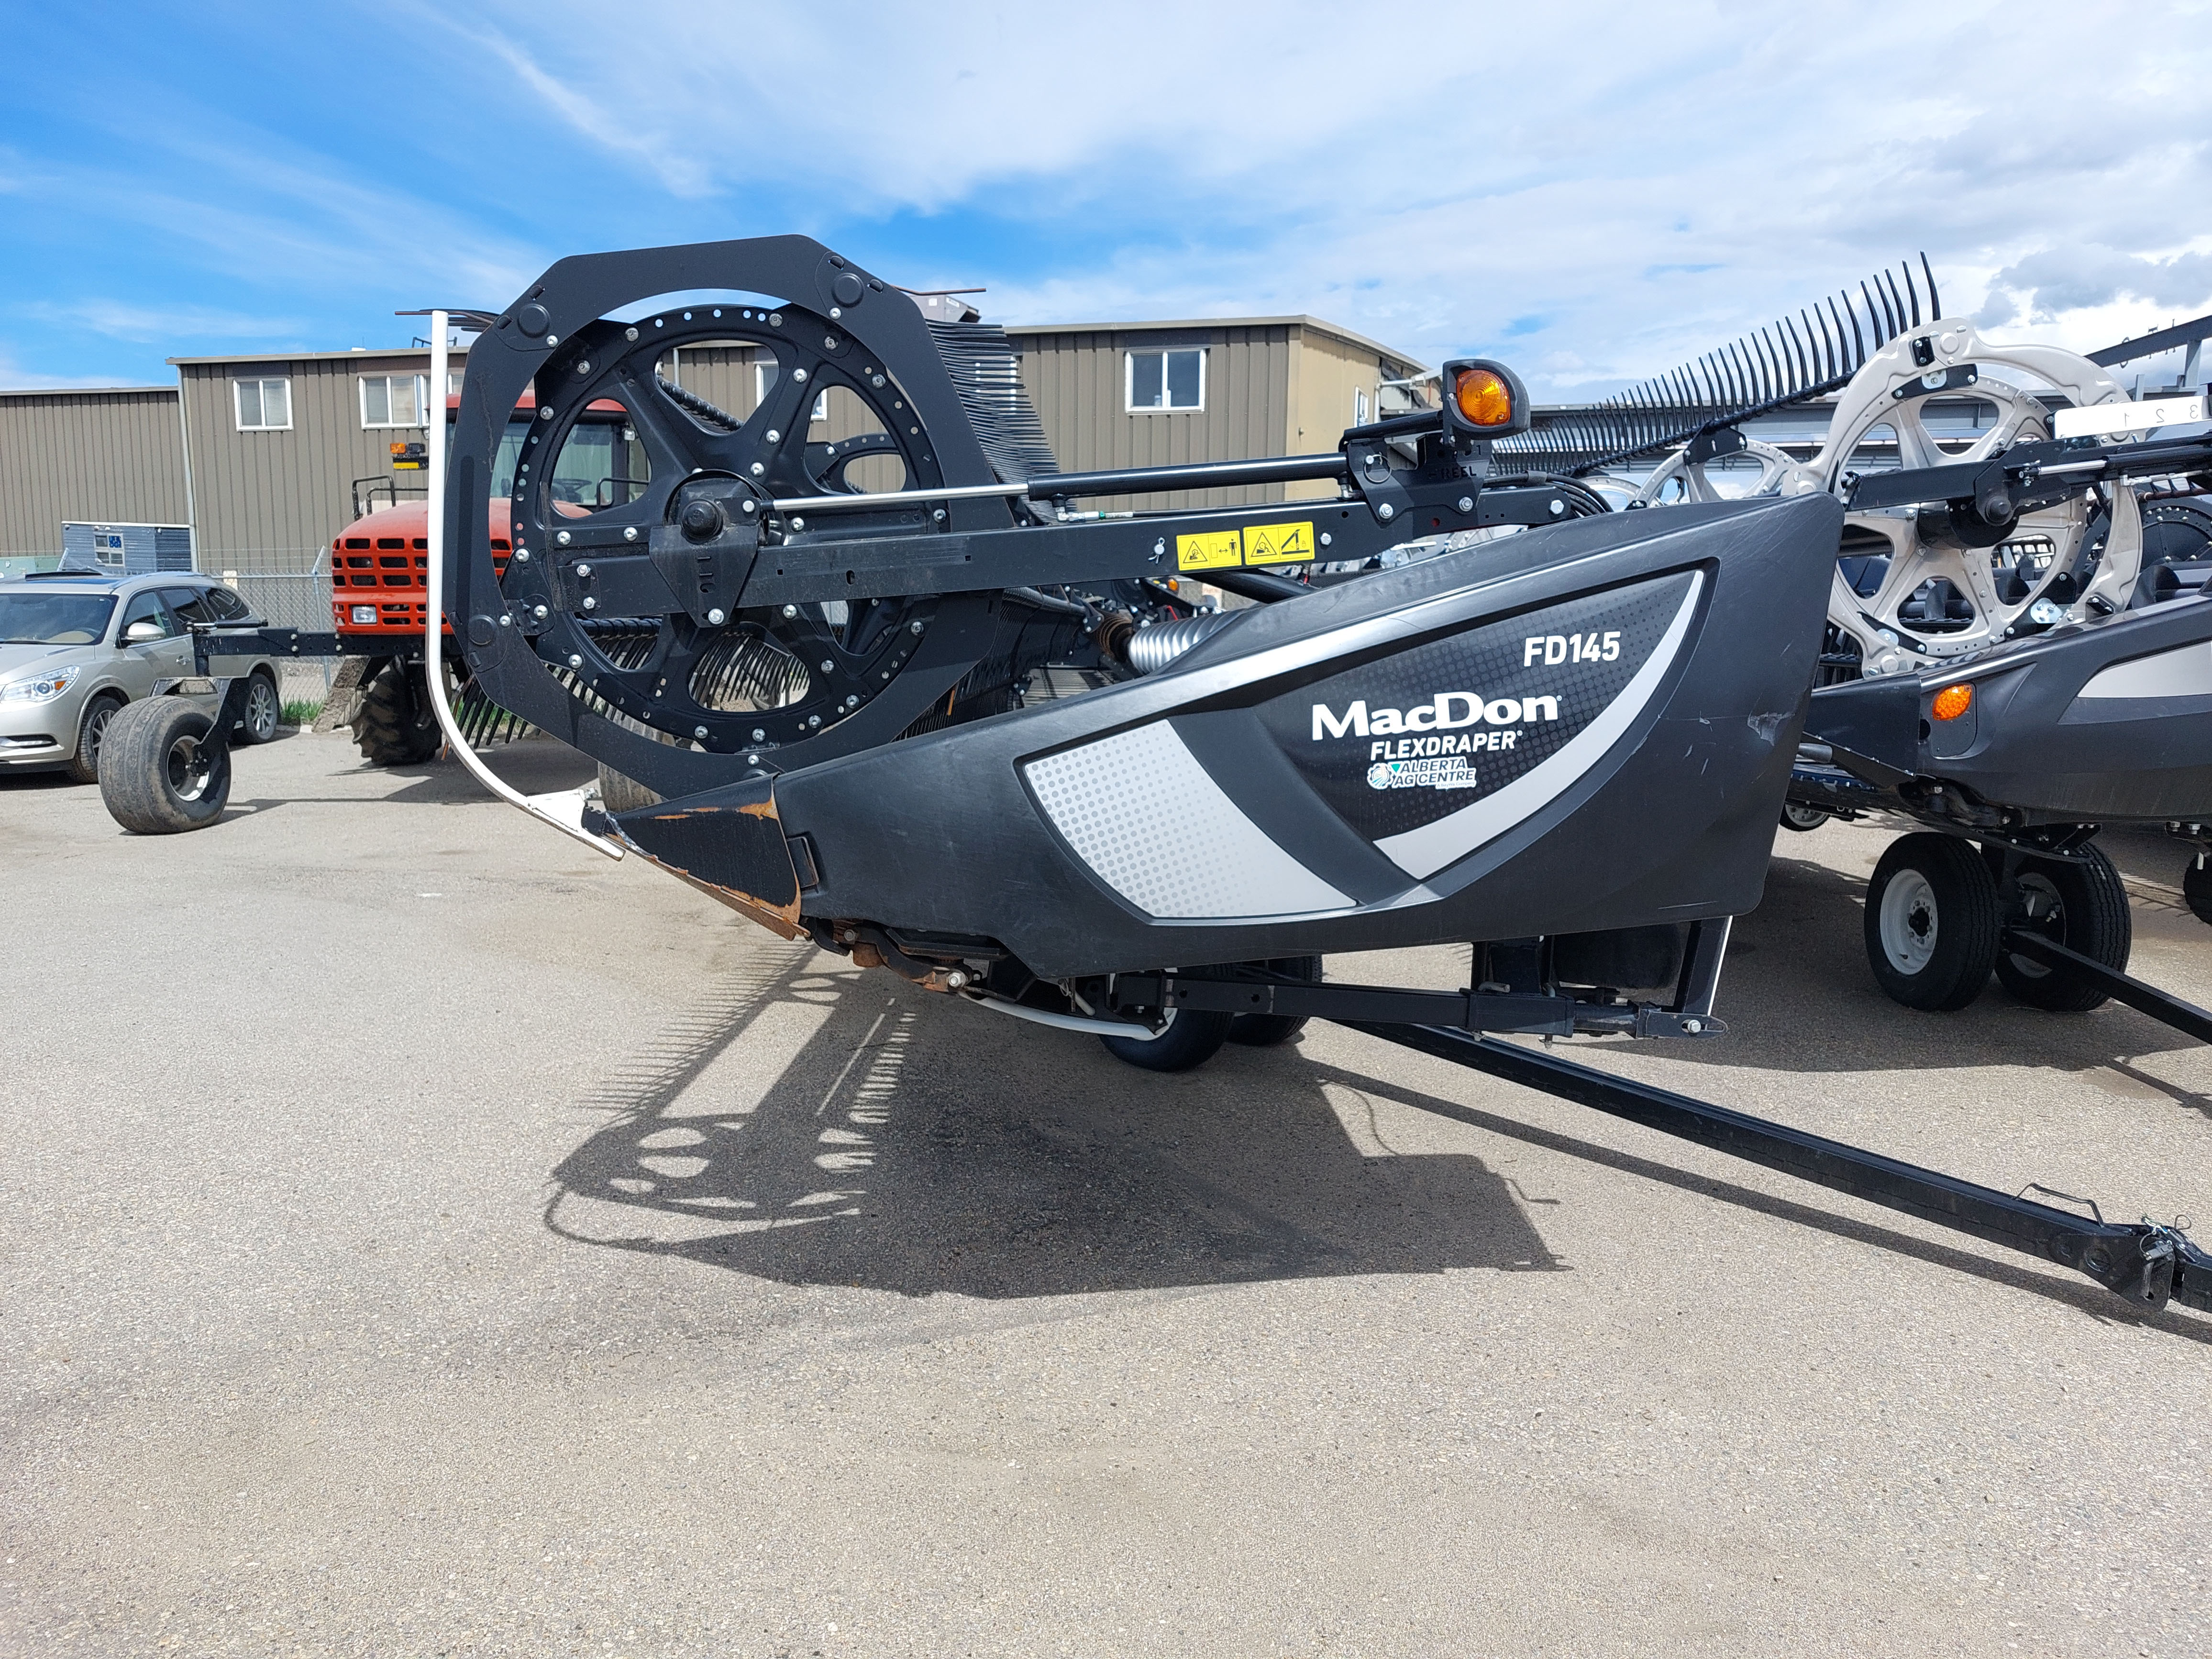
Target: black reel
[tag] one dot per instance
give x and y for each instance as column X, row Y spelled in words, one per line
column 621, row 458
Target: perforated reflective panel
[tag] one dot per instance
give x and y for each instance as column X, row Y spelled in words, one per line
column 1140, row 810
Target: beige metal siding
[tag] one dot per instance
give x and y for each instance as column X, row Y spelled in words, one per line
column 1077, row 382
column 106, row 456
column 1331, row 371
column 270, row 501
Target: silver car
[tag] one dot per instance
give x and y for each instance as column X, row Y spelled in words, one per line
column 76, row 648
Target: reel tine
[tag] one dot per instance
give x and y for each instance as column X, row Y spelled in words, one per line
column 1935, row 305
column 1781, row 362
column 1808, row 370
column 1742, row 377
column 1876, row 318
column 1858, row 343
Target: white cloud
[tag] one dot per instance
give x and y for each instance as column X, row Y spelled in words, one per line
column 14, row 377
column 1603, row 188
column 162, row 323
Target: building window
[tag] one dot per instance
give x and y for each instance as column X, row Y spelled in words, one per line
column 263, row 405
column 393, row 399
column 452, row 383
column 1167, row 379
column 1359, row 408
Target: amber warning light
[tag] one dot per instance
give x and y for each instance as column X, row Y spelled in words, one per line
column 1484, row 399
column 1954, row 700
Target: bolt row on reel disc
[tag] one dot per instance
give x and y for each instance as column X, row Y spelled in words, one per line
column 824, row 421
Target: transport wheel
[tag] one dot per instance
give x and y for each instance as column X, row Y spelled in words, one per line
column 1265, row 1031
column 91, row 733
column 395, row 725
column 1193, row 1038
column 618, row 793
column 262, row 712
column 2197, row 891
column 1801, row 818
column 157, row 775
column 1931, row 922
column 2084, row 907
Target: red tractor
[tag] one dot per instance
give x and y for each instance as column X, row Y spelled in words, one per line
column 379, row 573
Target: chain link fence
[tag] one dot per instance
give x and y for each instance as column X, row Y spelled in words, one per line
column 295, row 599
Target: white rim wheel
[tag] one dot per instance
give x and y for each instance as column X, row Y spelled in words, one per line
column 1676, row 480
column 1868, row 403
column 1908, row 922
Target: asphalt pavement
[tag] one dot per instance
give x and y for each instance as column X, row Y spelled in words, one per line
column 422, row 1237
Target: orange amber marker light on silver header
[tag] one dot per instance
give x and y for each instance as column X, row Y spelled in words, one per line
column 1954, row 700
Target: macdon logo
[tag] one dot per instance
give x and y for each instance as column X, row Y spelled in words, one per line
column 1451, row 711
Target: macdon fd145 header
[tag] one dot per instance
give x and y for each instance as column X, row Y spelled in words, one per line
column 1566, row 748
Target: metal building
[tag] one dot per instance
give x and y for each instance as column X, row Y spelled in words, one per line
column 1152, row 394
column 277, row 445
column 114, row 456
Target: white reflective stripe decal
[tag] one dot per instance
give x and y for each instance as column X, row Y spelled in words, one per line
column 2185, row 672
column 1140, row 810
column 1425, row 851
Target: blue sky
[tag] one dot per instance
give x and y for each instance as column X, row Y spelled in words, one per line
column 1593, row 192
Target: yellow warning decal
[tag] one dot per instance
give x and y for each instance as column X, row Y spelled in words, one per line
column 1216, row 550
column 1279, row 544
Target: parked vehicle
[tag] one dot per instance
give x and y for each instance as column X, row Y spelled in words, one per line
column 75, row 648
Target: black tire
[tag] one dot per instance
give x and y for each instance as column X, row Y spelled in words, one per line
column 619, row 793
column 1931, row 922
column 2084, row 907
column 1266, row 1031
column 264, row 711
column 83, row 767
column 395, row 725
column 2197, row 891
column 1801, row 818
column 155, row 775
column 1193, row 1038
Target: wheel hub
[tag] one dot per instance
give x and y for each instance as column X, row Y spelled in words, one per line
column 1909, row 922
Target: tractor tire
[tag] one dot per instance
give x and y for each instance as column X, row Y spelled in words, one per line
column 92, row 725
column 1931, row 922
column 2197, row 891
column 618, row 793
column 2083, row 906
column 395, row 725
column 1267, row 1031
column 1801, row 818
column 1193, row 1038
column 155, row 776
column 264, row 711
